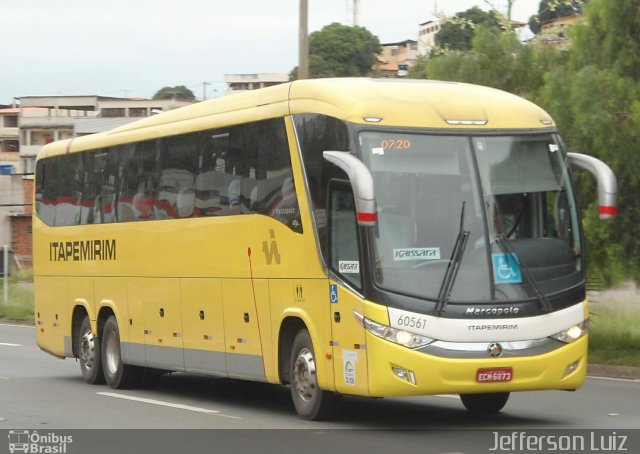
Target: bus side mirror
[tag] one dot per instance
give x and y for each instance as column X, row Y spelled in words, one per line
column 607, row 183
column 361, row 182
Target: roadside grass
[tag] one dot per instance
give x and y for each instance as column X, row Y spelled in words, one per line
column 20, row 304
column 614, row 336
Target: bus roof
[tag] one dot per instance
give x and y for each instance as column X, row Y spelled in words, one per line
column 417, row 103
column 391, row 102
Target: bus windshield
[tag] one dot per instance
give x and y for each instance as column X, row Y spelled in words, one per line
column 509, row 197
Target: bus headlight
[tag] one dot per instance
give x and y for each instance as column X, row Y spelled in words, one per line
column 573, row 333
column 397, row 336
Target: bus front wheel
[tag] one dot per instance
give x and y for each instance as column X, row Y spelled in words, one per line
column 311, row 402
column 484, row 403
column 88, row 351
column 117, row 374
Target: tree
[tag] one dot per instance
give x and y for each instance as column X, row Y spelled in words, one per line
column 496, row 59
column 177, row 92
column 342, row 51
column 592, row 90
column 458, row 32
column 595, row 101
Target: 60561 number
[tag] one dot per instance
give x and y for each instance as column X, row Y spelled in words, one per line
column 412, row 322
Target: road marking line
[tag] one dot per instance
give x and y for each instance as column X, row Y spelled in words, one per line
column 628, row 380
column 4, row 378
column 162, row 403
column 4, row 344
column 17, row 326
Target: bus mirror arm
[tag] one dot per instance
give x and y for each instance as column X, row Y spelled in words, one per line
column 362, row 183
column 607, row 183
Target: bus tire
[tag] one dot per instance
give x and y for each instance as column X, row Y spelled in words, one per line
column 117, row 374
column 88, row 350
column 311, row 402
column 484, row 403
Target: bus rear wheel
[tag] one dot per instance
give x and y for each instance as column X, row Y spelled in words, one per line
column 311, row 402
column 88, row 351
column 484, row 403
column 117, row 374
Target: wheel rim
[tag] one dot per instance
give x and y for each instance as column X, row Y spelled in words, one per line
column 304, row 375
column 88, row 349
column 112, row 352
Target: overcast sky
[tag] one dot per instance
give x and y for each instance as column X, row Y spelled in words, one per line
column 133, row 48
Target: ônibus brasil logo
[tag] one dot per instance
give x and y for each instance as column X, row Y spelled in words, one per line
column 32, row 442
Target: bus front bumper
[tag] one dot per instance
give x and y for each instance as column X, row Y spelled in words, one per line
column 398, row 371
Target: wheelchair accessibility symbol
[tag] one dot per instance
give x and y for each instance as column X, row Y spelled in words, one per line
column 333, row 293
column 506, row 269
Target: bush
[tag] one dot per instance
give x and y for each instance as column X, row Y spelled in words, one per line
column 615, row 336
column 20, row 304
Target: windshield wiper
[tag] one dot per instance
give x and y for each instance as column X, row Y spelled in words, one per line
column 508, row 249
column 452, row 268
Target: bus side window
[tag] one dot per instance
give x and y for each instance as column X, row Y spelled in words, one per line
column 137, row 188
column 59, row 193
column 178, row 162
column 268, row 182
column 343, row 236
column 45, row 196
column 106, row 168
column 128, row 170
column 90, row 189
column 218, row 166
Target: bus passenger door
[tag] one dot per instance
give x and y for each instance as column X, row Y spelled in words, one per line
column 348, row 336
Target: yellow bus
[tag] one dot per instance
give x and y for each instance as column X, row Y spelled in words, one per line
column 342, row 236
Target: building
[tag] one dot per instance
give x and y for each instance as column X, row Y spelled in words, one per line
column 11, row 178
column 44, row 119
column 244, row 82
column 396, row 58
column 427, row 32
column 9, row 136
column 555, row 33
column 38, row 121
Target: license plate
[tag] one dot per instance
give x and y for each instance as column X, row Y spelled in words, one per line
column 494, row 375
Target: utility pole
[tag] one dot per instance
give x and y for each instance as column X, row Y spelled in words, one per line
column 509, row 8
column 303, row 56
column 5, row 282
column 204, row 90
column 355, row 12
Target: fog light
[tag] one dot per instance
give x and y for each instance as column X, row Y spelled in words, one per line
column 406, row 375
column 401, row 373
column 571, row 368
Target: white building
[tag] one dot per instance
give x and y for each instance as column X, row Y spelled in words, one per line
column 427, row 36
column 244, row 82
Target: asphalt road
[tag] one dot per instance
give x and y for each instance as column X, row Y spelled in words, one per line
column 41, row 393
